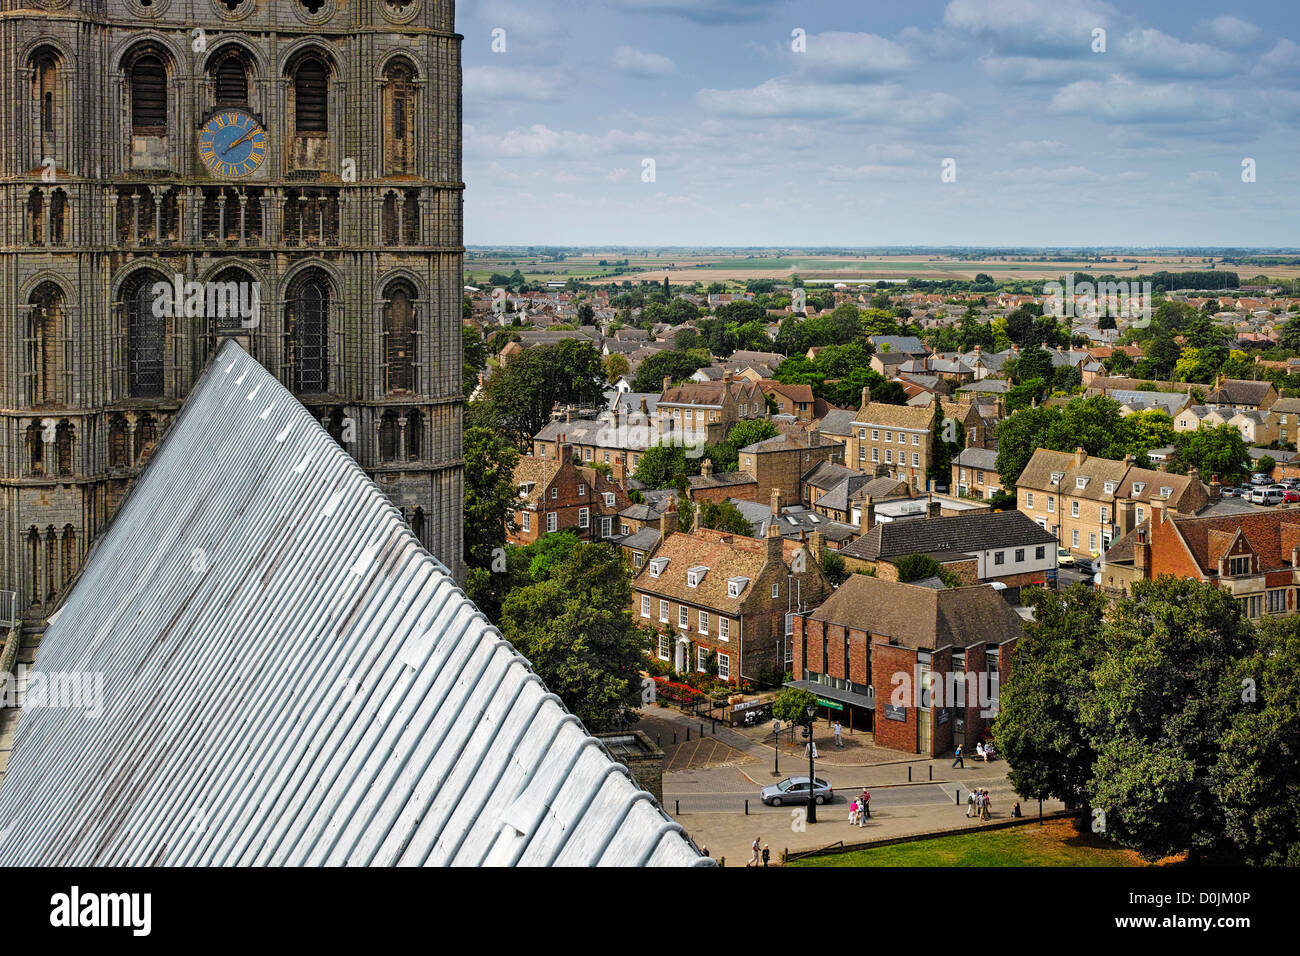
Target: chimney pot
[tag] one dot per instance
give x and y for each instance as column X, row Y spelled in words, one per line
column 667, row 383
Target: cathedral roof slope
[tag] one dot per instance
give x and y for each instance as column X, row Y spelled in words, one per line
column 289, row 678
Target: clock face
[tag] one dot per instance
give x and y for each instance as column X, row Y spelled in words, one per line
column 232, row 143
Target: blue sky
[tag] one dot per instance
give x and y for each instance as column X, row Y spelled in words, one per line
column 755, row 143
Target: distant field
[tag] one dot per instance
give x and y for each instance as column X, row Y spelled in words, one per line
column 1056, row 843
column 707, row 269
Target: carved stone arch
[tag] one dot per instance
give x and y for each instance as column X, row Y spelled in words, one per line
column 400, row 334
column 311, row 328
column 148, row 327
column 216, row 68
column 149, row 67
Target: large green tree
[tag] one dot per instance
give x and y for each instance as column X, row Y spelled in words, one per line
column 578, row 634
column 668, row 364
column 523, row 393
column 490, row 494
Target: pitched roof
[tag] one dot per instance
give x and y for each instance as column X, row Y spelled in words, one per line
column 966, row 533
column 1272, row 535
column 1037, row 474
column 1239, row 391
column 827, row 474
column 985, row 458
column 837, row 421
column 370, row 716
column 895, row 416
column 917, row 616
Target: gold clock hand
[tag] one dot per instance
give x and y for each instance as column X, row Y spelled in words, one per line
column 249, row 134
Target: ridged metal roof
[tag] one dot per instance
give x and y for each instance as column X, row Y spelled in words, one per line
column 290, row 679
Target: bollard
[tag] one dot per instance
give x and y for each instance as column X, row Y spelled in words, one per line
column 677, row 808
column 746, row 808
column 674, row 738
column 722, row 861
column 701, row 730
column 688, row 733
column 909, row 773
column 957, row 798
column 931, row 771
column 657, row 743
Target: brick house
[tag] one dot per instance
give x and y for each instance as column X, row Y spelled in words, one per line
column 1255, row 556
column 876, row 645
column 891, row 439
column 1002, row 546
column 794, row 400
column 975, row 473
column 781, row 461
column 1089, row 502
column 557, row 495
column 1241, row 395
column 711, row 592
column 704, row 412
column 717, row 486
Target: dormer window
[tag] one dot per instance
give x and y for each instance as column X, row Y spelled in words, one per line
column 1057, row 476
column 1110, row 487
column 555, row 493
column 695, row 575
column 609, row 499
column 1166, row 492
column 1139, row 487
column 657, row 566
column 1081, row 482
column 1239, row 565
column 736, row 586
column 582, row 490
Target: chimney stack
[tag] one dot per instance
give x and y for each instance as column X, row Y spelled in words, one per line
column 868, row 514
column 1142, row 554
column 668, row 520
column 774, row 546
column 776, row 502
column 667, row 383
column 815, row 438
column 816, row 542
column 866, row 395
column 1080, row 456
column 706, row 468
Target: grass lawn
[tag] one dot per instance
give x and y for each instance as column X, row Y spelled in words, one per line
column 1056, row 843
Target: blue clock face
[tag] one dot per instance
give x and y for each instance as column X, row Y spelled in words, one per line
column 232, row 144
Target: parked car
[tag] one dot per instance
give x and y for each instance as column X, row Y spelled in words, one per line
column 1260, row 478
column 1290, row 482
column 1228, row 491
column 795, row 790
column 1291, row 497
column 1267, row 496
column 1086, row 565
column 1064, row 558
column 1243, row 491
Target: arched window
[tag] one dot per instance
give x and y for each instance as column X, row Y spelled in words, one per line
column 388, row 221
column 51, row 549
column 36, row 217
column 58, row 217
column 45, row 89
column 388, row 435
column 399, row 118
column 230, row 80
column 414, row 435
column 64, row 436
column 411, row 218
column 149, row 95
column 118, row 456
column 34, row 563
column 47, row 349
column 36, row 448
column 146, row 335
column 399, row 332
column 311, row 96
column 307, row 322
column 69, row 556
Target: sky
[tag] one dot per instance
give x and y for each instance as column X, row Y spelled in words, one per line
column 807, row 123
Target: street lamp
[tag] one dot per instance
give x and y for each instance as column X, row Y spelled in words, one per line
column 812, row 779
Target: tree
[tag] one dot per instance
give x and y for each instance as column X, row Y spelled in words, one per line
column 1032, row 363
column 1160, row 702
column 1038, row 728
column 792, row 704
column 660, row 465
column 1217, row 451
column 1256, row 778
column 586, row 314
column 750, row 430
column 1289, row 336
column 578, row 634
column 490, row 460
column 1266, row 464
column 833, row 567
column 522, row 394
column 475, row 359
column 944, row 449
column 616, row 366
column 668, row 364
column 917, row 567
column 726, row 517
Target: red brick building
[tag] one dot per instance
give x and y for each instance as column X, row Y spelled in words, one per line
column 557, row 495
column 712, row 592
column 912, row 664
column 1255, row 555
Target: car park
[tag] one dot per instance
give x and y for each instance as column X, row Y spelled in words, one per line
column 1260, row 478
column 1290, row 482
column 1228, row 491
column 796, row 790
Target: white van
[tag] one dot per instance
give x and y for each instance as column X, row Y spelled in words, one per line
column 1267, row 496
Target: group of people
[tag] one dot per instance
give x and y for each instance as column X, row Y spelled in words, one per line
column 860, row 810
column 984, row 751
column 762, row 854
column 977, row 803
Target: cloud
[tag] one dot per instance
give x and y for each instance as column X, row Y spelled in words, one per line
column 1121, row 100
column 786, row 97
column 846, row 56
column 702, row 11
column 1031, row 27
column 639, row 63
column 510, row 83
column 1231, row 32
column 1284, row 58
column 1152, row 53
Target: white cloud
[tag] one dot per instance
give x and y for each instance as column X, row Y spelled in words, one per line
column 1152, row 53
column 1232, row 32
column 704, row 11
column 784, row 97
column 1121, row 100
column 639, row 63
column 509, row 83
column 851, row 55
column 1031, row 27
column 1284, row 58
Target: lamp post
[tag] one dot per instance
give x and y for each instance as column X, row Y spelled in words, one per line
column 812, row 779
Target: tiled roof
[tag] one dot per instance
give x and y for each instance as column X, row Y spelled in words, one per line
column 536, row 473
column 838, row 421
column 317, row 691
column 1188, row 493
column 721, row 479
column 894, row 416
column 1239, row 391
column 917, row 616
column 827, row 474
column 1045, row 462
column 985, row 458
column 1272, row 535
column 965, row 533
column 724, row 559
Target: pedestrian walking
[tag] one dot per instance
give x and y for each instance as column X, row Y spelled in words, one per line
column 864, row 807
column 853, row 813
column 767, row 854
column 970, row 804
column 839, row 735
column 757, row 847
column 988, row 806
column 959, row 762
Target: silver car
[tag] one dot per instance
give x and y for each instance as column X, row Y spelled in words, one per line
column 795, row 790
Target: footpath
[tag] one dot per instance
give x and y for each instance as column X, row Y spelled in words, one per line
column 709, row 801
